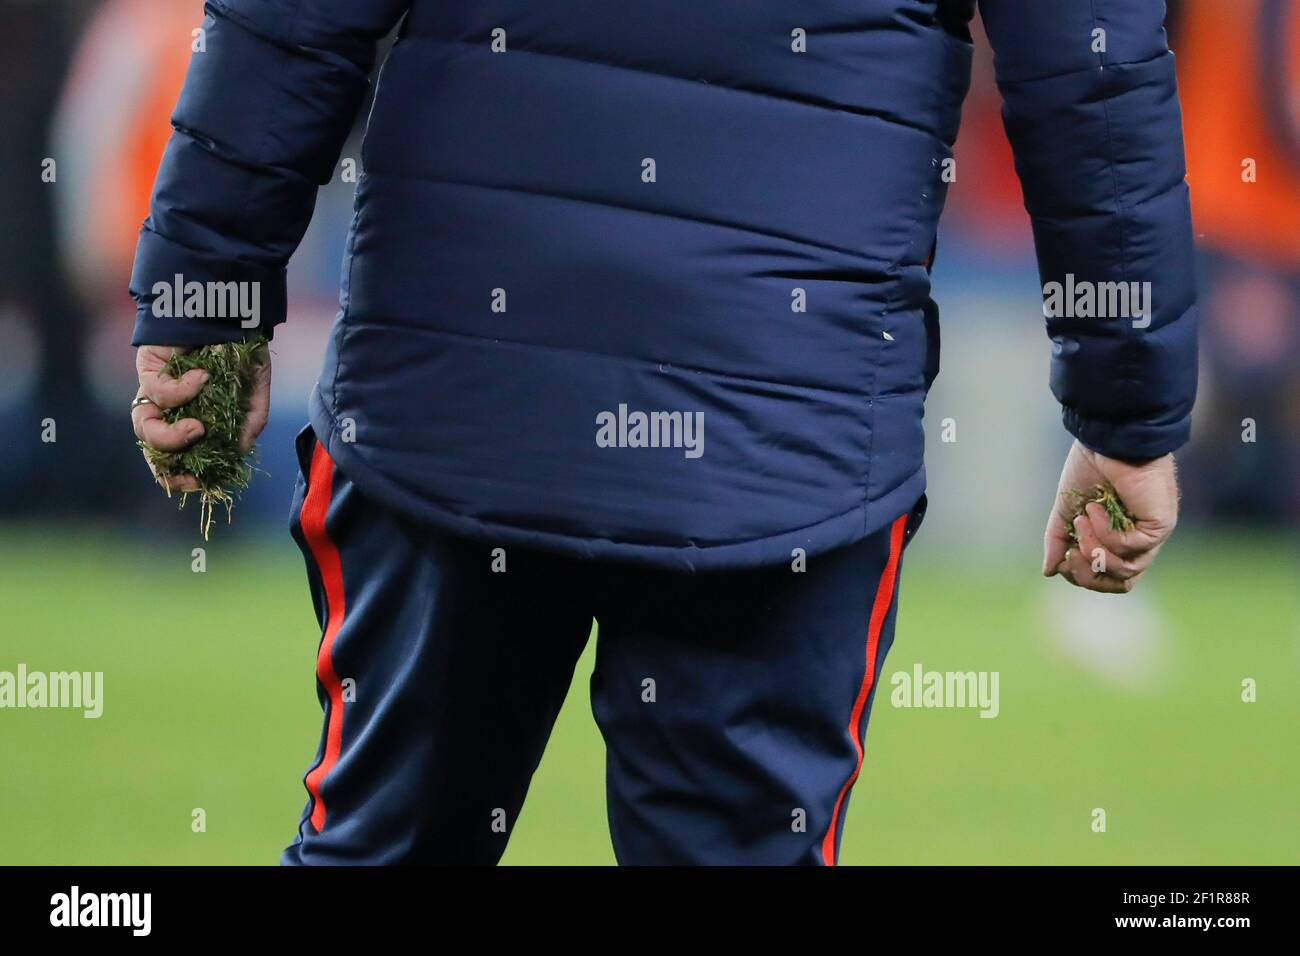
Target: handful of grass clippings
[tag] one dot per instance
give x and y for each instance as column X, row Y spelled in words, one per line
column 1077, row 502
column 216, row 461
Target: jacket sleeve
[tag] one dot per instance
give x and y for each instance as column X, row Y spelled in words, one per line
column 269, row 99
column 1090, row 104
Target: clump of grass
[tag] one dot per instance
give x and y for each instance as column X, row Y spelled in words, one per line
column 1121, row 519
column 216, row 460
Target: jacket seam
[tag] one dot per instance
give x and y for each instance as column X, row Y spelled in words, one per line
column 718, row 223
column 674, row 366
column 1046, row 77
column 1127, row 377
column 625, row 68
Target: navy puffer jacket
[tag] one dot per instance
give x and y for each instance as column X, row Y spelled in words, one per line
column 649, row 280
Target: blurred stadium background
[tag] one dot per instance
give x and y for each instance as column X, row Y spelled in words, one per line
column 1131, row 705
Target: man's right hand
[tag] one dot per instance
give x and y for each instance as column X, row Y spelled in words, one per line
column 1150, row 492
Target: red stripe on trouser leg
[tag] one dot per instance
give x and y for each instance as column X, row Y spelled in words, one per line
column 879, row 611
column 312, row 521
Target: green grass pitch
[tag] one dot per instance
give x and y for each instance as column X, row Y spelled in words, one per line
column 210, row 703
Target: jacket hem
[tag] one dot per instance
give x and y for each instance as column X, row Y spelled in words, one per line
column 835, row 532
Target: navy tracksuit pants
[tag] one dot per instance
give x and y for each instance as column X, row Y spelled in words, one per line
column 733, row 704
